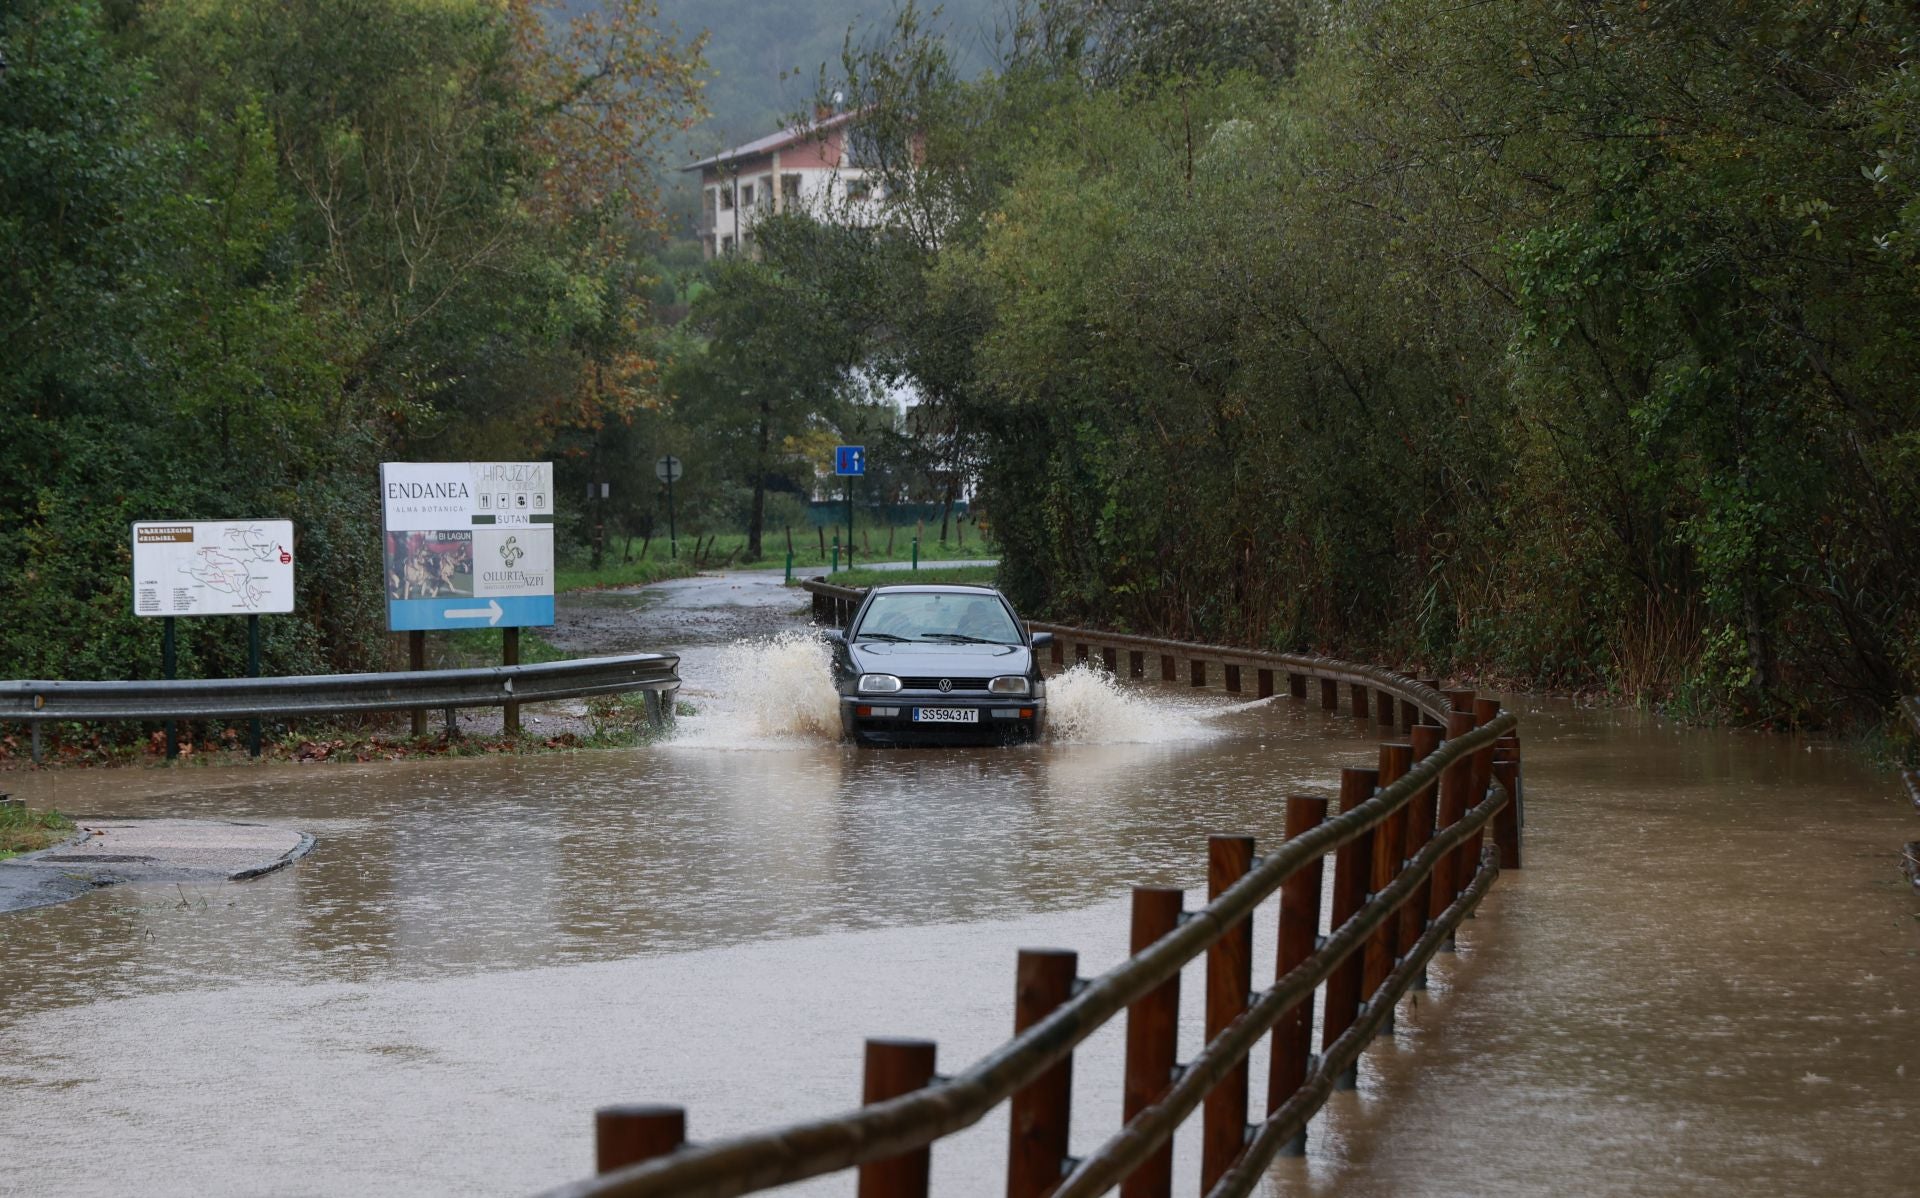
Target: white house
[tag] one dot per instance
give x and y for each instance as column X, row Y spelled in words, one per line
column 810, row 167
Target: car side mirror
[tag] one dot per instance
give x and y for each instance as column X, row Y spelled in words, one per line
column 834, row 636
column 1042, row 639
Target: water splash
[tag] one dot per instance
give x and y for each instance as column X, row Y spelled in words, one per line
column 1087, row 705
column 767, row 693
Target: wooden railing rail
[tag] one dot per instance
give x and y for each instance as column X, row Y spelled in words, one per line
column 1411, row 861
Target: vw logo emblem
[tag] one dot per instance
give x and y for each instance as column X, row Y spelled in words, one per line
column 946, row 684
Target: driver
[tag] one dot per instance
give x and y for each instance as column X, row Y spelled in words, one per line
column 977, row 620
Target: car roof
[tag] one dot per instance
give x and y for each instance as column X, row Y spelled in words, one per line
column 937, row 588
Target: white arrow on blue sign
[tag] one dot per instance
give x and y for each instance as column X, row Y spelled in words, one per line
column 850, row 459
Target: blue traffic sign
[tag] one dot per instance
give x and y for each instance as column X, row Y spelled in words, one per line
column 850, row 459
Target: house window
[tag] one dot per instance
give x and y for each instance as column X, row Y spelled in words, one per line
column 707, row 202
column 766, row 191
column 789, row 190
column 746, row 195
column 726, row 199
column 726, row 244
column 858, row 189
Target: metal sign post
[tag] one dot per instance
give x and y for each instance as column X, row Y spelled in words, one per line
column 667, row 470
column 253, row 671
column 850, row 462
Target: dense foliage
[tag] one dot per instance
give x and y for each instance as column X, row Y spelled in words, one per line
column 1569, row 342
column 248, row 250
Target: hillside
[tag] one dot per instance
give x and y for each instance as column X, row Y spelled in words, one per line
column 755, row 43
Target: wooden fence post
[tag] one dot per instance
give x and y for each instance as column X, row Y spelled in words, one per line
column 1167, row 672
column 1197, row 672
column 1153, row 1033
column 628, row 1134
column 1359, row 693
column 1454, row 782
column 1420, row 821
column 1506, row 825
column 893, row 1068
column 1352, row 867
column 1299, row 928
column 1425, row 717
column 1230, row 677
column 1136, row 664
column 1389, row 841
column 1329, row 695
column 1297, row 685
column 1039, row 1114
column 1229, row 982
column 1265, row 679
column 1485, row 711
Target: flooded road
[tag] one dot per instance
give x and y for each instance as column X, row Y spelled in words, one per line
column 1707, row 978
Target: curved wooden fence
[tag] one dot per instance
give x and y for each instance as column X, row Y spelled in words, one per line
column 1411, row 859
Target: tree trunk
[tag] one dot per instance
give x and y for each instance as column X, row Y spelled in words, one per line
column 759, row 513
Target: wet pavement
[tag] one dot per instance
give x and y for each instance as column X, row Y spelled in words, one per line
column 118, row 852
column 1707, row 979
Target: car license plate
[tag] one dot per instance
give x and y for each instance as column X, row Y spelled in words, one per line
column 946, row 715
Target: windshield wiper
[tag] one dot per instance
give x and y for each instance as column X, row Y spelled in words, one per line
column 881, row 636
column 960, row 637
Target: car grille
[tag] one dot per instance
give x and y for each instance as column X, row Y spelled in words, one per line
column 933, row 684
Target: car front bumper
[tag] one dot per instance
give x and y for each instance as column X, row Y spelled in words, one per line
column 889, row 719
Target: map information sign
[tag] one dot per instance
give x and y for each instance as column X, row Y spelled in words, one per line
column 212, row 567
column 468, row 544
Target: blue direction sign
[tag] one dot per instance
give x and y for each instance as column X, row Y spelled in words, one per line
column 508, row 611
column 850, row 459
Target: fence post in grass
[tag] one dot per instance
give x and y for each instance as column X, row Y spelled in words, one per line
column 1229, row 982
column 893, row 1068
column 628, row 1134
column 1389, row 841
column 1352, row 869
column 1299, row 928
column 1038, row 1114
column 1420, row 821
column 1153, row 1031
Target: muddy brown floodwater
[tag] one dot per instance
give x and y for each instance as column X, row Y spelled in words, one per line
column 1707, row 979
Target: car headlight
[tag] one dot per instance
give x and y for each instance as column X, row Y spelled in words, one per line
column 1008, row 684
column 878, row 684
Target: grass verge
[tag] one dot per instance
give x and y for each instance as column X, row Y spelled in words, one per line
column 578, row 577
column 24, row 831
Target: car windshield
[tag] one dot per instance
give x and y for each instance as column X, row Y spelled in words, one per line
column 938, row 616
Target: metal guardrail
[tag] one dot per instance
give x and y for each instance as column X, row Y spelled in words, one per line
column 1411, row 861
column 31, row 702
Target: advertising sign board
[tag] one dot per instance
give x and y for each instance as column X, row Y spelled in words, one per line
column 468, row 544
column 212, row 567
